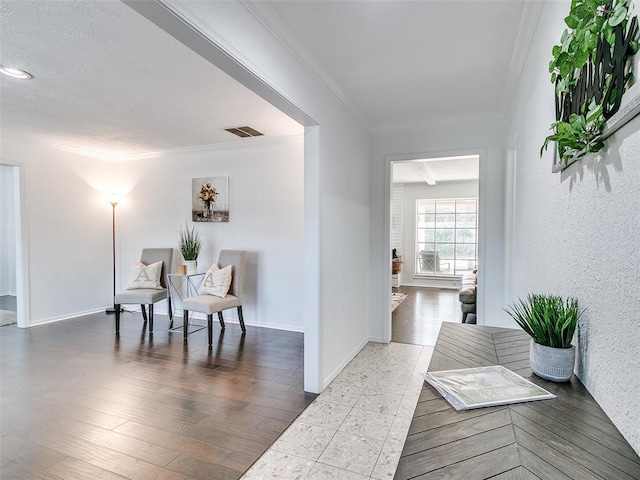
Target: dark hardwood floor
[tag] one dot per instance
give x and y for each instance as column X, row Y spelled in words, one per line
column 78, row 403
column 418, row 318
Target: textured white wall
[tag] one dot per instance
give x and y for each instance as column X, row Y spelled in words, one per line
column 576, row 234
column 397, row 228
column 7, row 231
column 397, row 211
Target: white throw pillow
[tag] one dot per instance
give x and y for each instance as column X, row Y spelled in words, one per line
column 145, row 276
column 216, row 281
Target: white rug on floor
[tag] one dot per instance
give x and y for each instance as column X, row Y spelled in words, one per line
column 7, row 317
column 396, row 299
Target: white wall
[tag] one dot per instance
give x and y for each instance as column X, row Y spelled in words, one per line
column 68, row 227
column 397, row 228
column 475, row 135
column 577, row 235
column 7, row 231
column 337, row 154
column 413, row 192
column 266, row 219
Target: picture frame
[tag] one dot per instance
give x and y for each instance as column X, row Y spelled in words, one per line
column 210, row 199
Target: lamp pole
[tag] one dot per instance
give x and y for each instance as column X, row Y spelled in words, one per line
column 113, row 202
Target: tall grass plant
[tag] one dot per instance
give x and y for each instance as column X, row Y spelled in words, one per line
column 190, row 243
column 549, row 319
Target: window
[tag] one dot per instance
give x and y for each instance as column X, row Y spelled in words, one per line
column 447, row 236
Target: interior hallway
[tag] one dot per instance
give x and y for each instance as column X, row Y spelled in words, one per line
column 356, row 428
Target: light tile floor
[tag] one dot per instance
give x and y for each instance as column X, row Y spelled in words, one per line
column 356, row 428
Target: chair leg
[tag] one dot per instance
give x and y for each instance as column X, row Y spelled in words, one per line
column 170, row 314
column 210, row 328
column 464, row 317
column 151, row 317
column 117, row 308
column 185, row 325
column 222, row 325
column 144, row 313
column 241, row 318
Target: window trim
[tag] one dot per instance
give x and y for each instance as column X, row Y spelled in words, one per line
column 441, row 275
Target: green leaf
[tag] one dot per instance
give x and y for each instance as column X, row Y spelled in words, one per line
column 582, row 12
column 592, row 115
column 571, row 21
column 564, row 64
column 556, row 50
column 619, row 15
column 563, row 128
column 580, row 58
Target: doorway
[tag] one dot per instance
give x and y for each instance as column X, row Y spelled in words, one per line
column 13, row 305
column 434, row 234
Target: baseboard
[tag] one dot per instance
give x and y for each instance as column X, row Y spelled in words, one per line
column 377, row 340
column 202, row 317
column 342, row 365
column 444, row 284
column 65, row 317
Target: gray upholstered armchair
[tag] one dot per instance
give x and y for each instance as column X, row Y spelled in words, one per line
column 211, row 303
column 147, row 296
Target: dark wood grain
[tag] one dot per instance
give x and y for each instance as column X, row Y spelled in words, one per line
column 568, row 437
column 417, row 319
column 79, row 403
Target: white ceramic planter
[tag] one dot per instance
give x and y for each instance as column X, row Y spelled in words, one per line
column 555, row 364
column 192, row 266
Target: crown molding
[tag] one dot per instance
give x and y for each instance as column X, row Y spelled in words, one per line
column 435, row 122
column 528, row 24
column 266, row 15
column 126, row 157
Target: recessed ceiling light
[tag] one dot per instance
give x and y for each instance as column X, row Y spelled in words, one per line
column 15, row 73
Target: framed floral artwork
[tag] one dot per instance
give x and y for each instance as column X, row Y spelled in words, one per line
column 210, row 199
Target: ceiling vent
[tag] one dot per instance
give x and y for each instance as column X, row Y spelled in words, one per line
column 244, row 132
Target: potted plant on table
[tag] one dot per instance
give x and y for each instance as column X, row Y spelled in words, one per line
column 190, row 248
column 550, row 321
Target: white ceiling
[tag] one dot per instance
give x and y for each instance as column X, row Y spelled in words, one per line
column 108, row 81
column 434, row 171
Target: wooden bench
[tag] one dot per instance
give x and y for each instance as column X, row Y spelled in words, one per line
column 568, row 437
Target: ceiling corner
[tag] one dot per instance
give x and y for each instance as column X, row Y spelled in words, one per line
column 528, row 24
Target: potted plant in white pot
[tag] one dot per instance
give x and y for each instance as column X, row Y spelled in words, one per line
column 550, row 321
column 190, row 248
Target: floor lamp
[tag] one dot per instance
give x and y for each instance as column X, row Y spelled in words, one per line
column 113, row 201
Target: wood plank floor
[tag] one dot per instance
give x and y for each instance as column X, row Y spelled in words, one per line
column 77, row 403
column 418, row 318
column 568, row 437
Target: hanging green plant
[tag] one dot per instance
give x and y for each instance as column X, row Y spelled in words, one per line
column 591, row 69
